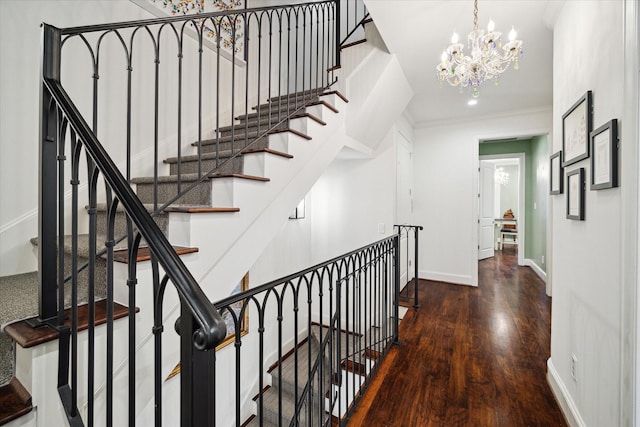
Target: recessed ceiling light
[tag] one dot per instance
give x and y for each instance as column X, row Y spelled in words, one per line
column 472, row 102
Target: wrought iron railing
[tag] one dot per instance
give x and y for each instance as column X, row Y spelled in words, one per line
column 353, row 14
column 65, row 133
column 148, row 81
column 335, row 323
column 409, row 233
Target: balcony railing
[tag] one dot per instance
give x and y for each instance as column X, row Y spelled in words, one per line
column 332, row 324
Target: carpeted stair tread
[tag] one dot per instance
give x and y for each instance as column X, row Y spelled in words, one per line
column 83, row 244
column 254, row 126
column 305, row 93
column 265, row 123
column 243, row 140
column 199, row 209
column 144, row 254
column 19, row 301
column 270, row 404
column 19, row 297
column 286, row 370
column 250, row 136
column 102, row 207
column 15, row 401
column 222, row 154
column 193, row 177
column 120, row 225
column 264, row 110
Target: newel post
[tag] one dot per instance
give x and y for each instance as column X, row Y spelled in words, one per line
column 197, row 375
column 47, row 178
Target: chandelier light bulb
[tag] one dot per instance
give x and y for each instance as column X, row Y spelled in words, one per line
column 512, row 34
column 454, row 38
column 491, row 26
column 443, row 57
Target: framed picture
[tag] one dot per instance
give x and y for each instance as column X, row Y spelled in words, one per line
column 575, row 194
column 229, row 319
column 576, row 126
column 556, row 170
column 604, row 156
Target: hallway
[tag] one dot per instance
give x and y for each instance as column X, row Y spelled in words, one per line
column 469, row 356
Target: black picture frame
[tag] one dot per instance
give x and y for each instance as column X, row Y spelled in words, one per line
column 604, row 156
column 556, row 171
column 577, row 124
column 575, row 194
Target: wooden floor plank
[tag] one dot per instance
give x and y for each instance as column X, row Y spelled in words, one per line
column 469, row 356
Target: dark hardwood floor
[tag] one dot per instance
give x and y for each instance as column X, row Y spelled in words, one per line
column 469, row 356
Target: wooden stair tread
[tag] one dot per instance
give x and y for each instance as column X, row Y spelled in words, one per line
column 15, row 401
column 144, row 253
column 355, row 43
column 337, row 93
column 293, row 131
column 27, row 336
column 354, row 367
column 268, row 150
column 241, row 176
column 200, row 209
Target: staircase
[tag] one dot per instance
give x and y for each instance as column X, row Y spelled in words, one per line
column 262, row 163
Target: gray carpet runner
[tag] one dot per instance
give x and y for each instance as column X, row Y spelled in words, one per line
column 283, row 382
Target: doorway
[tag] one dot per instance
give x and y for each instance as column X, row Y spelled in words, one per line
column 502, row 190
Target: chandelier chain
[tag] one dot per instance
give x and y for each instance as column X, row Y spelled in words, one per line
column 475, row 15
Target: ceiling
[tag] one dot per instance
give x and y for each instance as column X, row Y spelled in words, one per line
column 417, row 31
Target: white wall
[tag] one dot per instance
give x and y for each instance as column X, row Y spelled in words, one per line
column 351, row 200
column 588, row 291
column 446, row 188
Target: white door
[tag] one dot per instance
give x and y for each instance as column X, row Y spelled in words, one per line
column 486, row 239
column 404, row 205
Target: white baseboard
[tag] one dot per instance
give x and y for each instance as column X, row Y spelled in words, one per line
column 536, row 268
column 455, row 279
column 560, row 392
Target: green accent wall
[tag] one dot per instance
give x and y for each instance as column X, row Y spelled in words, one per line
column 536, row 161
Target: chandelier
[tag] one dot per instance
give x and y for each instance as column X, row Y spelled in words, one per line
column 502, row 177
column 488, row 57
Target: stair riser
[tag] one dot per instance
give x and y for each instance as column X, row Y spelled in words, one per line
column 120, row 226
column 234, row 166
column 239, row 144
column 201, row 195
